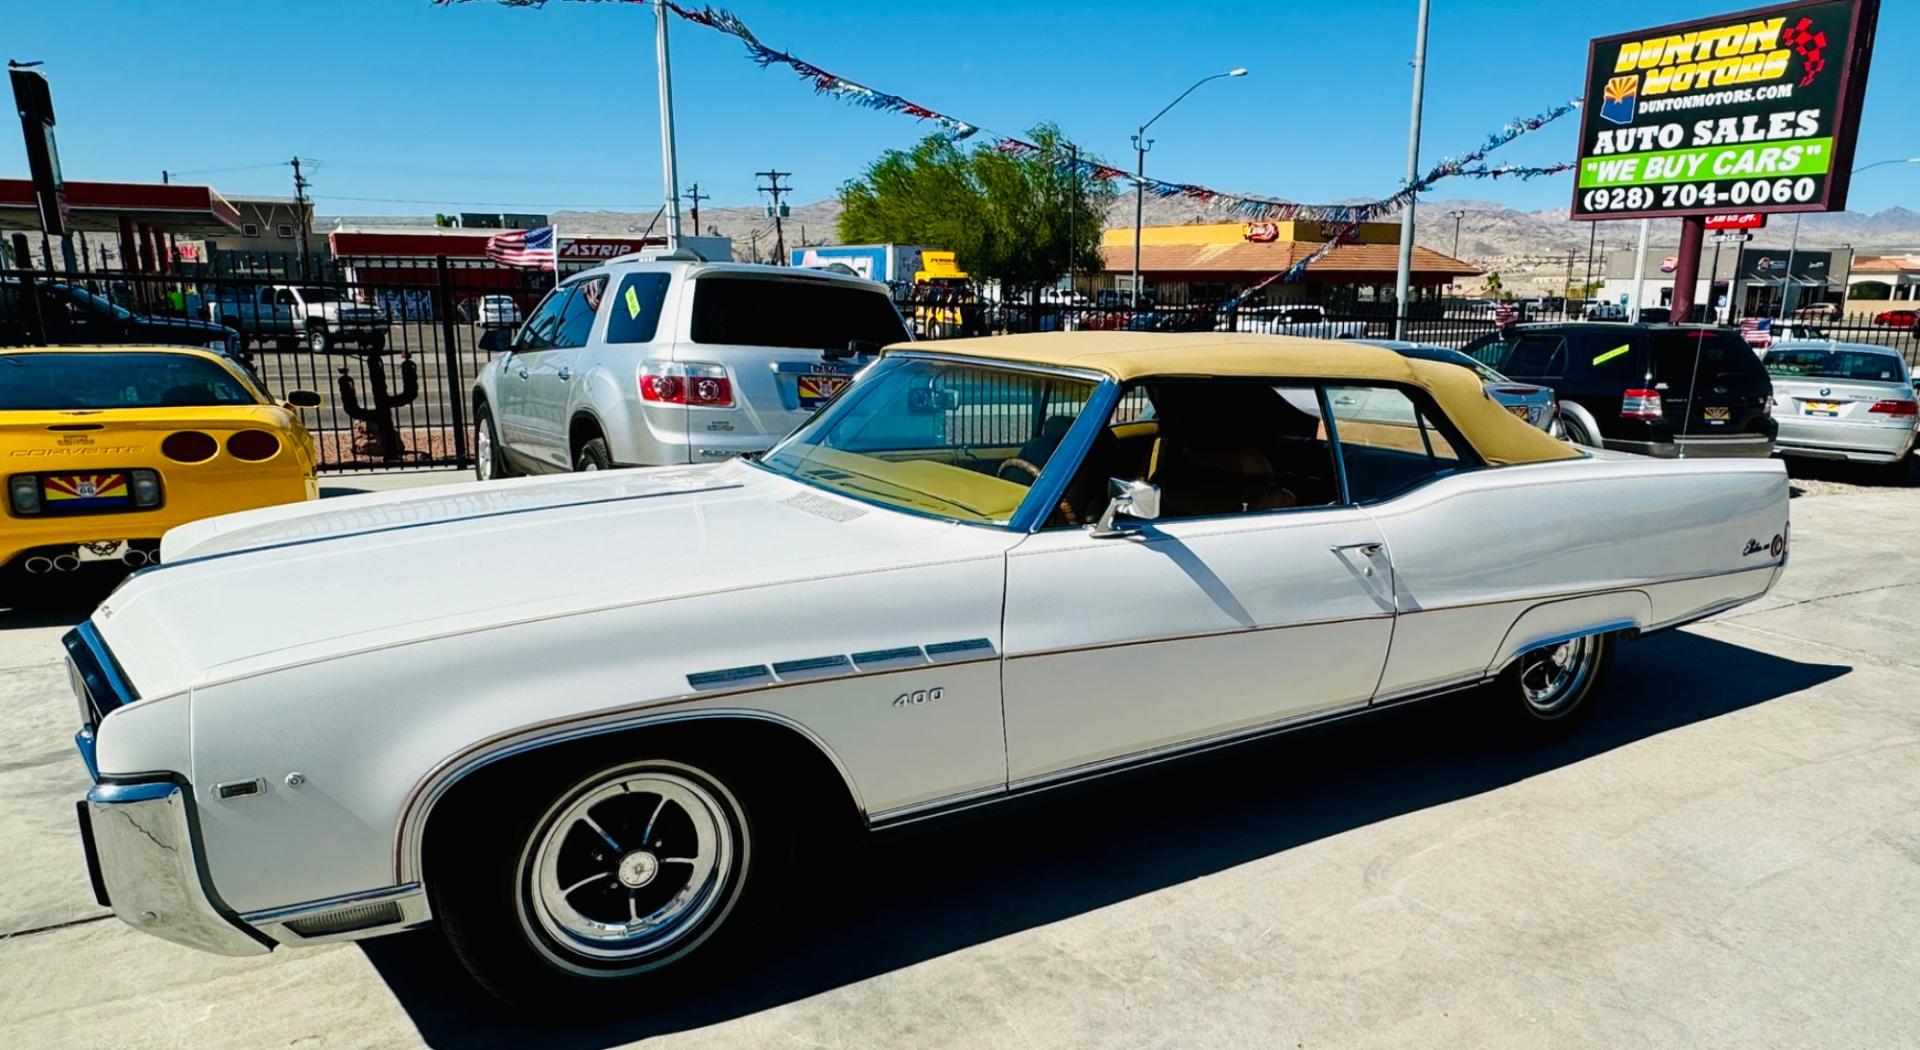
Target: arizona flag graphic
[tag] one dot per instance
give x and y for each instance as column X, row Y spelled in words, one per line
column 83, row 491
column 1618, row 100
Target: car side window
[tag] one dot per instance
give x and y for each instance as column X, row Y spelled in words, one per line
column 576, row 318
column 1213, row 446
column 1493, row 350
column 284, row 297
column 636, row 308
column 542, row 327
column 1537, row 357
column 1392, row 440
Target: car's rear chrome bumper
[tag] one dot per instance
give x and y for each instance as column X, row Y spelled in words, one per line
column 1753, row 446
column 142, row 857
column 1861, row 442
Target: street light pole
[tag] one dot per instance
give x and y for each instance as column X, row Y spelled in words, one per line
column 1404, row 279
column 1457, row 216
column 670, row 169
column 1880, row 163
column 1140, row 146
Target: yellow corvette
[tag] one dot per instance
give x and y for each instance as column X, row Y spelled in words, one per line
column 103, row 449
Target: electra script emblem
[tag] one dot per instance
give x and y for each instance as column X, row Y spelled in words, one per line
column 1776, row 548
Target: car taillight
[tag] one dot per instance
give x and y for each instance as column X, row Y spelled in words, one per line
column 253, row 445
column 686, row 383
column 1894, row 407
column 189, row 446
column 1641, row 404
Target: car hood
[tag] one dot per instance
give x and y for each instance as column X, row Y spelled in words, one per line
column 248, row 593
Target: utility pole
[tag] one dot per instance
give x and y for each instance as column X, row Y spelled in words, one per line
column 1593, row 230
column 670, row 169
column 164, row 179
column 695, row 197
column 1639, row 271
column 1404, row 279
column 300, row 185
column 777, row 211
column 1566, row 290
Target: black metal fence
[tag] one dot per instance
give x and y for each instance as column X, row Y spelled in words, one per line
column 391, row 344
column 1448, row 323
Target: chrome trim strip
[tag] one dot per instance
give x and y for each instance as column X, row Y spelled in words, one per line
column 1034, row 368
column 1555, row 639
column 731, row 676
column 955, row 652
column 1222, row 633
column 813, row 667
column 882, row 659
column 415, row 910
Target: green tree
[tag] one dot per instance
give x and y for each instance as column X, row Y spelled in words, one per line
column 1005, row 216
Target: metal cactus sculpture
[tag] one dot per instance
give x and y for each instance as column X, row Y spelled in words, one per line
column 374, row 430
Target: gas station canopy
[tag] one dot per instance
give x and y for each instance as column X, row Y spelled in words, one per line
column 186, row 211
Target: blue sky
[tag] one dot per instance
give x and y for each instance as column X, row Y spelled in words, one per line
column 405, row 101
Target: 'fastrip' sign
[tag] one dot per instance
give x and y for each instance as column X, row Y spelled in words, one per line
column 1754, row 111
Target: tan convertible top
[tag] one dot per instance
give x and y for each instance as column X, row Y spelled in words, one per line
column 1494, row 432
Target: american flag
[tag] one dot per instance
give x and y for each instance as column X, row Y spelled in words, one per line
column 1757, row 331
column 523, row 247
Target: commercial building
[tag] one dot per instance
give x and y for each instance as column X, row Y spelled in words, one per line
column 1739, row 279
column 1885, row 277
column 1205, row 262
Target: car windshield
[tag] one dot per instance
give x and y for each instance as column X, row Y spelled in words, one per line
column 941, row 438
column 136, row 379
column 102, row 305
column 1834, row 363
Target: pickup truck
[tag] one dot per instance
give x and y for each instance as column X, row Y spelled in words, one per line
column 319, row 316
column 1302, row 319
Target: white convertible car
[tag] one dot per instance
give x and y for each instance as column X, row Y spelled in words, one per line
column 575, row 721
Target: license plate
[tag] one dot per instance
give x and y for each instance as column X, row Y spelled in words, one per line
column 67, row 493
column 1820, row 408
column 817, row 387
column 1716, row 414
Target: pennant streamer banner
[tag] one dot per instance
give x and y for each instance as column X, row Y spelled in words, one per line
column 1252, row 207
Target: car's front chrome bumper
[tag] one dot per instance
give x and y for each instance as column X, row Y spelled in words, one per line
column 142, row 857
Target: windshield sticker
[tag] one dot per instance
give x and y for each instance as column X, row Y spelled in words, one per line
column 1610, row 355
column 633, row 303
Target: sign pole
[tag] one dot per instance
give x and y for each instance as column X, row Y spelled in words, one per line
column 1713, row 278
column 1686, row 270
column 1639, row 271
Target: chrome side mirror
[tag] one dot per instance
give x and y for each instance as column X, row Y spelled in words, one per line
column 1135, row 499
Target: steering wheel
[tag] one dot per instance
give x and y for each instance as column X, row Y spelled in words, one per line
column 1033, row 472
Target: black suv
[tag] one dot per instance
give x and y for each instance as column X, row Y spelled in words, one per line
column 1654, row 389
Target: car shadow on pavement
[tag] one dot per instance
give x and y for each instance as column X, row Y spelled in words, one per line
column 905, row 898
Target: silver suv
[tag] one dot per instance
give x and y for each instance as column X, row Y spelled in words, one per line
column 644, row 363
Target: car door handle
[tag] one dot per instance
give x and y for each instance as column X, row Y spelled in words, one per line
column 1366, row 550
column 565, row 373
column 523, row 373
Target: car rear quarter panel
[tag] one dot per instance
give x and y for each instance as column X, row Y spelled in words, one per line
column 1472, row 554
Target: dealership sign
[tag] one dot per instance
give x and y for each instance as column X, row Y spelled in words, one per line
column 1753, row 111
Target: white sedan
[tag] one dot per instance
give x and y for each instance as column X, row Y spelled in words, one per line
column 577, row 721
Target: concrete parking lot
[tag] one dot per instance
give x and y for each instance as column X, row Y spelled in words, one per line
column 1726, row 854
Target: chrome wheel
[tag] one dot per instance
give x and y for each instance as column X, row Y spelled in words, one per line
column 1553, row 678
column 483, row 450
column 626, row 871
